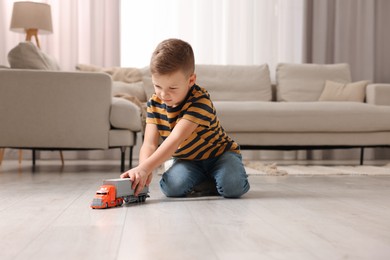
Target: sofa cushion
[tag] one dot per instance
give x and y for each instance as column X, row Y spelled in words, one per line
column 336, row 91
column 305, row 82
column 235, row 83
column 315, row 116
column 125, row 115
column 28, row 56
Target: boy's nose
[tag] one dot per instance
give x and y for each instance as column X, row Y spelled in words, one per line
column 164, row 95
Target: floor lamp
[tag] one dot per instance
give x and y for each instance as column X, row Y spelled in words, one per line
column 31, row 18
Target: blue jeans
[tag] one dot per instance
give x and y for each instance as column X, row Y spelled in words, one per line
column 227, row 171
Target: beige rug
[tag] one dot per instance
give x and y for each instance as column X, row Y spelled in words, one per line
column 272, row 169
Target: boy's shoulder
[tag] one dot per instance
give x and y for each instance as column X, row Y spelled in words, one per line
column 154, row 100
column 198, row 92
column 199, row 97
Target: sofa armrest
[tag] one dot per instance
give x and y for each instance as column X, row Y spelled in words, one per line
column 378, row 94
column 51, row 109
column 125, row 115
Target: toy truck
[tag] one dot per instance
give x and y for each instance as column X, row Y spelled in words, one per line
column 114, row 192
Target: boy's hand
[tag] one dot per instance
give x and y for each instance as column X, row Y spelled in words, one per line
column 139, row 178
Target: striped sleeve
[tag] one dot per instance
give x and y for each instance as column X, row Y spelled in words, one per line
column 200, row 112
column 155, row 112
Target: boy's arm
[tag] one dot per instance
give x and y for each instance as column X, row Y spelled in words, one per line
column 183, row 129
column 150, row 142
column 142, row 173
column 149, row 146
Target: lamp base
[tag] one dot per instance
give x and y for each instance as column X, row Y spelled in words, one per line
column 30, row 33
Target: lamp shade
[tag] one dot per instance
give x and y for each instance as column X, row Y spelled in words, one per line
column 31, row 15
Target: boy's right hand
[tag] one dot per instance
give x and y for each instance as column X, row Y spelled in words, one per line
column 139, row 178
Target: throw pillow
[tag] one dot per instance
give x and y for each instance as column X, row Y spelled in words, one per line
column 135, row 89
column 128, row 75
column 336, row 91
column 28, row 56
column 89, row 68
column 148, row 86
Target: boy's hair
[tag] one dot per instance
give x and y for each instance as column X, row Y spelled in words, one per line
column 172, row 55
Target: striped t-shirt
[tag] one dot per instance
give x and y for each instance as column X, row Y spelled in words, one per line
column 209, row 139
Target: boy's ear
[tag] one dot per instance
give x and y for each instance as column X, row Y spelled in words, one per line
column 192, row 79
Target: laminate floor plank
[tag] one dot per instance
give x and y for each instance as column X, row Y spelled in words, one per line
column 236, row 233
column 45, row 214
column 80, row 231
column 163, row 229
column 331, row 217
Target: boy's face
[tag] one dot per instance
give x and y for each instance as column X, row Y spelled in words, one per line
column 173, row 88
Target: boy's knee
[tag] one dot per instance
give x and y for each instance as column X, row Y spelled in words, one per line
column 172, row 189
column 234, row 191
column 231, row 177
column 233, row 186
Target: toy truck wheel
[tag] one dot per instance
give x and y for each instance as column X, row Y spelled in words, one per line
column 106, row 205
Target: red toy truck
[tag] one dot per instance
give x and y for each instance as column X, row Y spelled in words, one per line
column 114, row 192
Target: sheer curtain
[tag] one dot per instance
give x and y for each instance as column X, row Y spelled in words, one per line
column 84, row 32
column 352, row 31
column 240, row 32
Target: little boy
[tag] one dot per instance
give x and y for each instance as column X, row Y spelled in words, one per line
column 182, row 113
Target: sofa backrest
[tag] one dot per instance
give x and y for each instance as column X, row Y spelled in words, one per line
column 235, row 82
column 305, row 82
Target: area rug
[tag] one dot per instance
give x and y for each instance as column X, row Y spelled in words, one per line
column 272, row 169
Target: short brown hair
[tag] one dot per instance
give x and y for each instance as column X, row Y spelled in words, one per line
column 172, row 55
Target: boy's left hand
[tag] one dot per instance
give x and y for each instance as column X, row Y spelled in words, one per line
column 139, row 178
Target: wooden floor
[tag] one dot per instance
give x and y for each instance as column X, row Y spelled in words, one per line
column 45, row 215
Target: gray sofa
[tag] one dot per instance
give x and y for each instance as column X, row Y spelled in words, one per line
column 288, row 115
column 75, row 110
column 55, row 110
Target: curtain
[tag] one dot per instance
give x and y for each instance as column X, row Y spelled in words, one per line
column 351, row 31
column 83, row 32
column 241, row 32
column 354, row 32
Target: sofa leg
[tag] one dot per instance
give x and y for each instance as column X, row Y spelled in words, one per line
column 62, row 158
column 361, row 155
column 20, row 156
column 1, row 155
column 123, row 153
column 33, row 151
column 131, row 158
column 33, row 157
